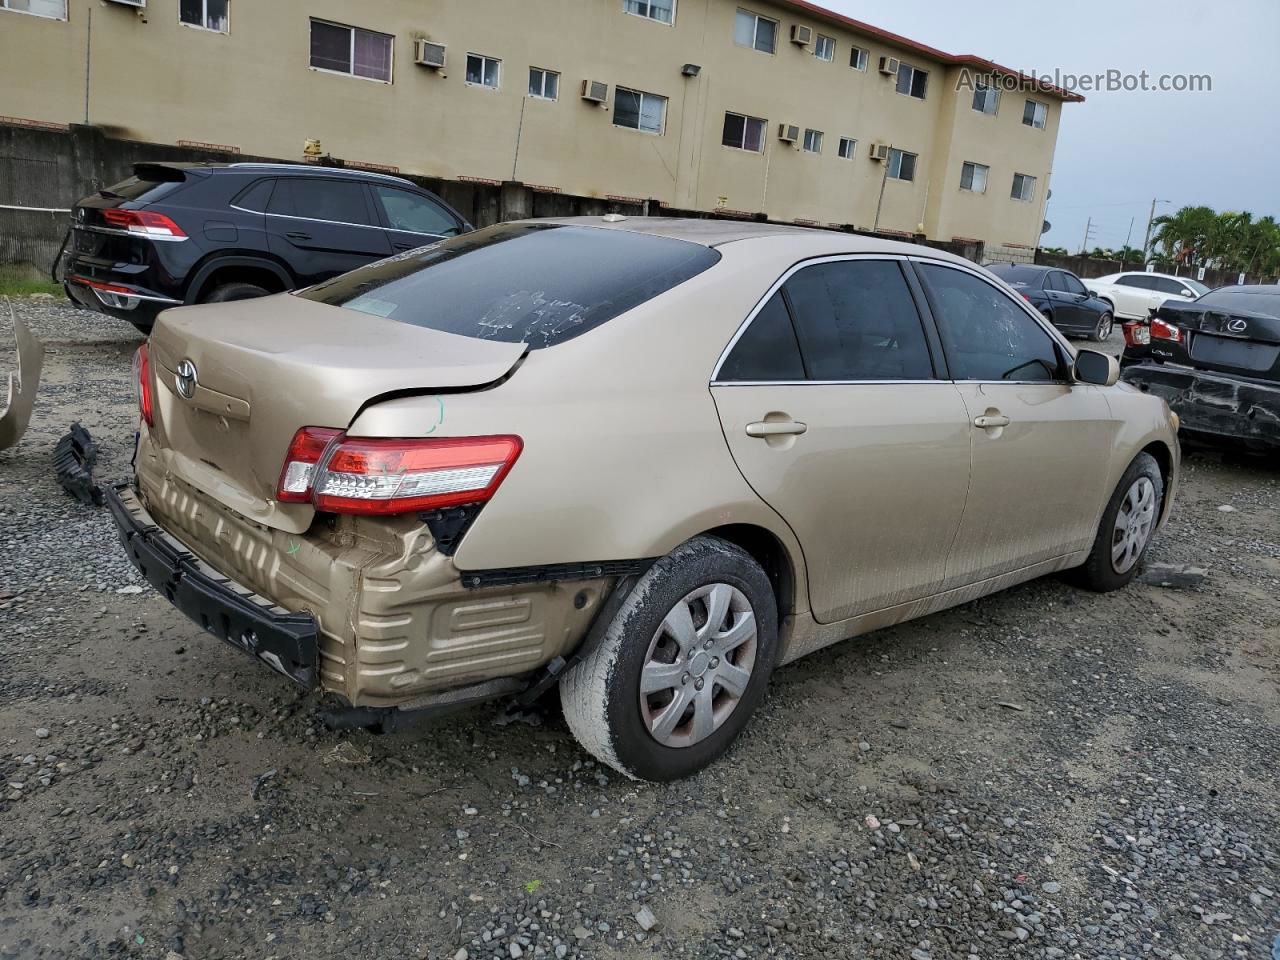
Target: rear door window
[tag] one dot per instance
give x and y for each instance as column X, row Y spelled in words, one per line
column 534, row 283
column 767, row 349
column 986, row 335
column 856, row 320
column 319, row 199
column 1053, row 281
column 1072, row 285
column 255, row 197
column 413, row 213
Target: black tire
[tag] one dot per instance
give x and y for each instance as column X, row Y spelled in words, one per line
column 1102, row 332
column 235, row 291
column 600, row 695
column 1099, row 572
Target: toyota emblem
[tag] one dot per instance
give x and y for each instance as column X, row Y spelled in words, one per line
column 185, row 379
column 1236, row 325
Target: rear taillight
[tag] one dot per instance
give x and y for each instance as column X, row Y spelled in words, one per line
column 305, row 450
column 1165, row 331
column 382, row 476
column 1136, row 334
column 143, row 222
column 142, row 379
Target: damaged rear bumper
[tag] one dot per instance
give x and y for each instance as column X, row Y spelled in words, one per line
column 287, row 642
column 1214, row 404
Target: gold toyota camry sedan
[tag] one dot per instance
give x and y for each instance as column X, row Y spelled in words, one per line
column 644, row 460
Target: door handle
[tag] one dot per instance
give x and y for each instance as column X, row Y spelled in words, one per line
column 775, row 428
column 298, row 236
column 999, row 420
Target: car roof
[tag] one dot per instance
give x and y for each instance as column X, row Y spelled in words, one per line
column 1028, row 267
column 292, row 169
column 715, row 232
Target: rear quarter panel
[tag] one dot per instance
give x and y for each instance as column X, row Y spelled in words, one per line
column 623, row 456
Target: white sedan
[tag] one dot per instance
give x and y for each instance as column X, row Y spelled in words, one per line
column 1133, row 295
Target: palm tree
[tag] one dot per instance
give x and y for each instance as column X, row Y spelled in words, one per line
column 1184, row 235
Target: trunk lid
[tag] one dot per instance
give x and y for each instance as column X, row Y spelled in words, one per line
column 1239, row 335
column 96, row 241
column 263, row 368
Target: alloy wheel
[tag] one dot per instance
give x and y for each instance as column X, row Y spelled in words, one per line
column 1105, row 326
column 698, row 665
column 1135, row 520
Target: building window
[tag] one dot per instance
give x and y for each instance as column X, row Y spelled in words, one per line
column 483, row 71
column 1024, row 187
column 902, row 165
column 986, row 98
column 744, row 133
column 813, row 141
column 858, row 58
column 1035, row 114
column 639, row 111
column 973, row 176
column 206, row 14
column 752, row 30
column 342, row 49
column 53, row 9
column 664, row 11
column 544, row 84
column 912, row 81
column 824, row 47
column 847, row 145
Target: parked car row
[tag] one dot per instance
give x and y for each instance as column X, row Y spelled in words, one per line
column 184, row 233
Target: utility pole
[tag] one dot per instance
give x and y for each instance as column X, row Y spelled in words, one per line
column 1127, row 237
column 1146, row 239
column 1088, row 232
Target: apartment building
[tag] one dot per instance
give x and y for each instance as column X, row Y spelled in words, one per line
column 778, row 107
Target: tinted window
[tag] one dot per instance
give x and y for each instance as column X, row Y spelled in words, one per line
column 1234, row 299
column 767, row 349
column 136, row 188
column 539, row 284
column 408, row 211
column 1053, row 281
column 1142, row 282
column 1018, row 275
column 987, row 336
column 1165, row 285
column 1072, row 283
column 319, row 199
column 856, row 321
column 256, row 197
column 1129, row 281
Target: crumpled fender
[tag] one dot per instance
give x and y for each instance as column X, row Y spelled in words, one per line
column 22, row 384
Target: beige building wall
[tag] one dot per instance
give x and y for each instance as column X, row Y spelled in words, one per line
column 141, row 74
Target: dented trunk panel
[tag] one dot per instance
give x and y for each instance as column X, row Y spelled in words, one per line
column 266, row 367
column 1215, row 404
column 395, row 621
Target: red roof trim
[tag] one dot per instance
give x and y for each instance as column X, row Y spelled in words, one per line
column 951, row 59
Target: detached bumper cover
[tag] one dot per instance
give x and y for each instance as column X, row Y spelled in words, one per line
column 287, row 642
column 1213, row 403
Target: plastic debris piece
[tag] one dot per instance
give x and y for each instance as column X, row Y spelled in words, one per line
column 73, row 460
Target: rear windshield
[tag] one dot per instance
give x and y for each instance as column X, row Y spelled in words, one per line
column 1016, row 276
column 135, row 188
column 1242, row 301
column 534, row 283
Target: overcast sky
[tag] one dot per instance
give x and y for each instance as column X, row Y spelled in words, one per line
column 1118, row 150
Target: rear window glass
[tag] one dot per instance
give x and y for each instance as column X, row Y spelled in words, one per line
column 533, row 283
column 1016, row 275
column 136, row 188
column 1226, row 298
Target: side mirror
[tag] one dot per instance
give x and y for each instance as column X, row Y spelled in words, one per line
column 1092, row 293
column 1094, row 367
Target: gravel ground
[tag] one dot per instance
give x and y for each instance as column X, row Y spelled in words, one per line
column 1043, row 773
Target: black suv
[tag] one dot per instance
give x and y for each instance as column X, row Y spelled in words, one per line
column 178, row 233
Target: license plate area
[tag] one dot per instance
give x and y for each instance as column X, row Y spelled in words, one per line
column 1238, row 354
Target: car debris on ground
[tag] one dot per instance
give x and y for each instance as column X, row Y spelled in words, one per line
column 23, row 384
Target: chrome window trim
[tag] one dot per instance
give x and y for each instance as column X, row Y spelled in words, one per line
column 322, row 172
column 112, row 231
column 777, row 284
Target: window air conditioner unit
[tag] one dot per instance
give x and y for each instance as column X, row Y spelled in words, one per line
column 595, row 91
column 428, row 54
column 880, row 151
column 142, row 4
column 801, row 34
column 788, row 132
column 889, row 65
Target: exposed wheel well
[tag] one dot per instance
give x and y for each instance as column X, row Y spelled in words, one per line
column 1163, row 457
column 261, row 276
column 767, row 550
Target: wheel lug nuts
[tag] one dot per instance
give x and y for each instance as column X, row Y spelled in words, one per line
column 685, row 678
column 715, row 662
column 708, row 644
column 698, row 684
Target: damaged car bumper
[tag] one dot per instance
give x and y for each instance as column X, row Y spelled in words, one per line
column 22, row 385
column 287, row 642
column 1214, row 404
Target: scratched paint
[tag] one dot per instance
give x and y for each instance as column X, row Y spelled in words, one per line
column 439, row 416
